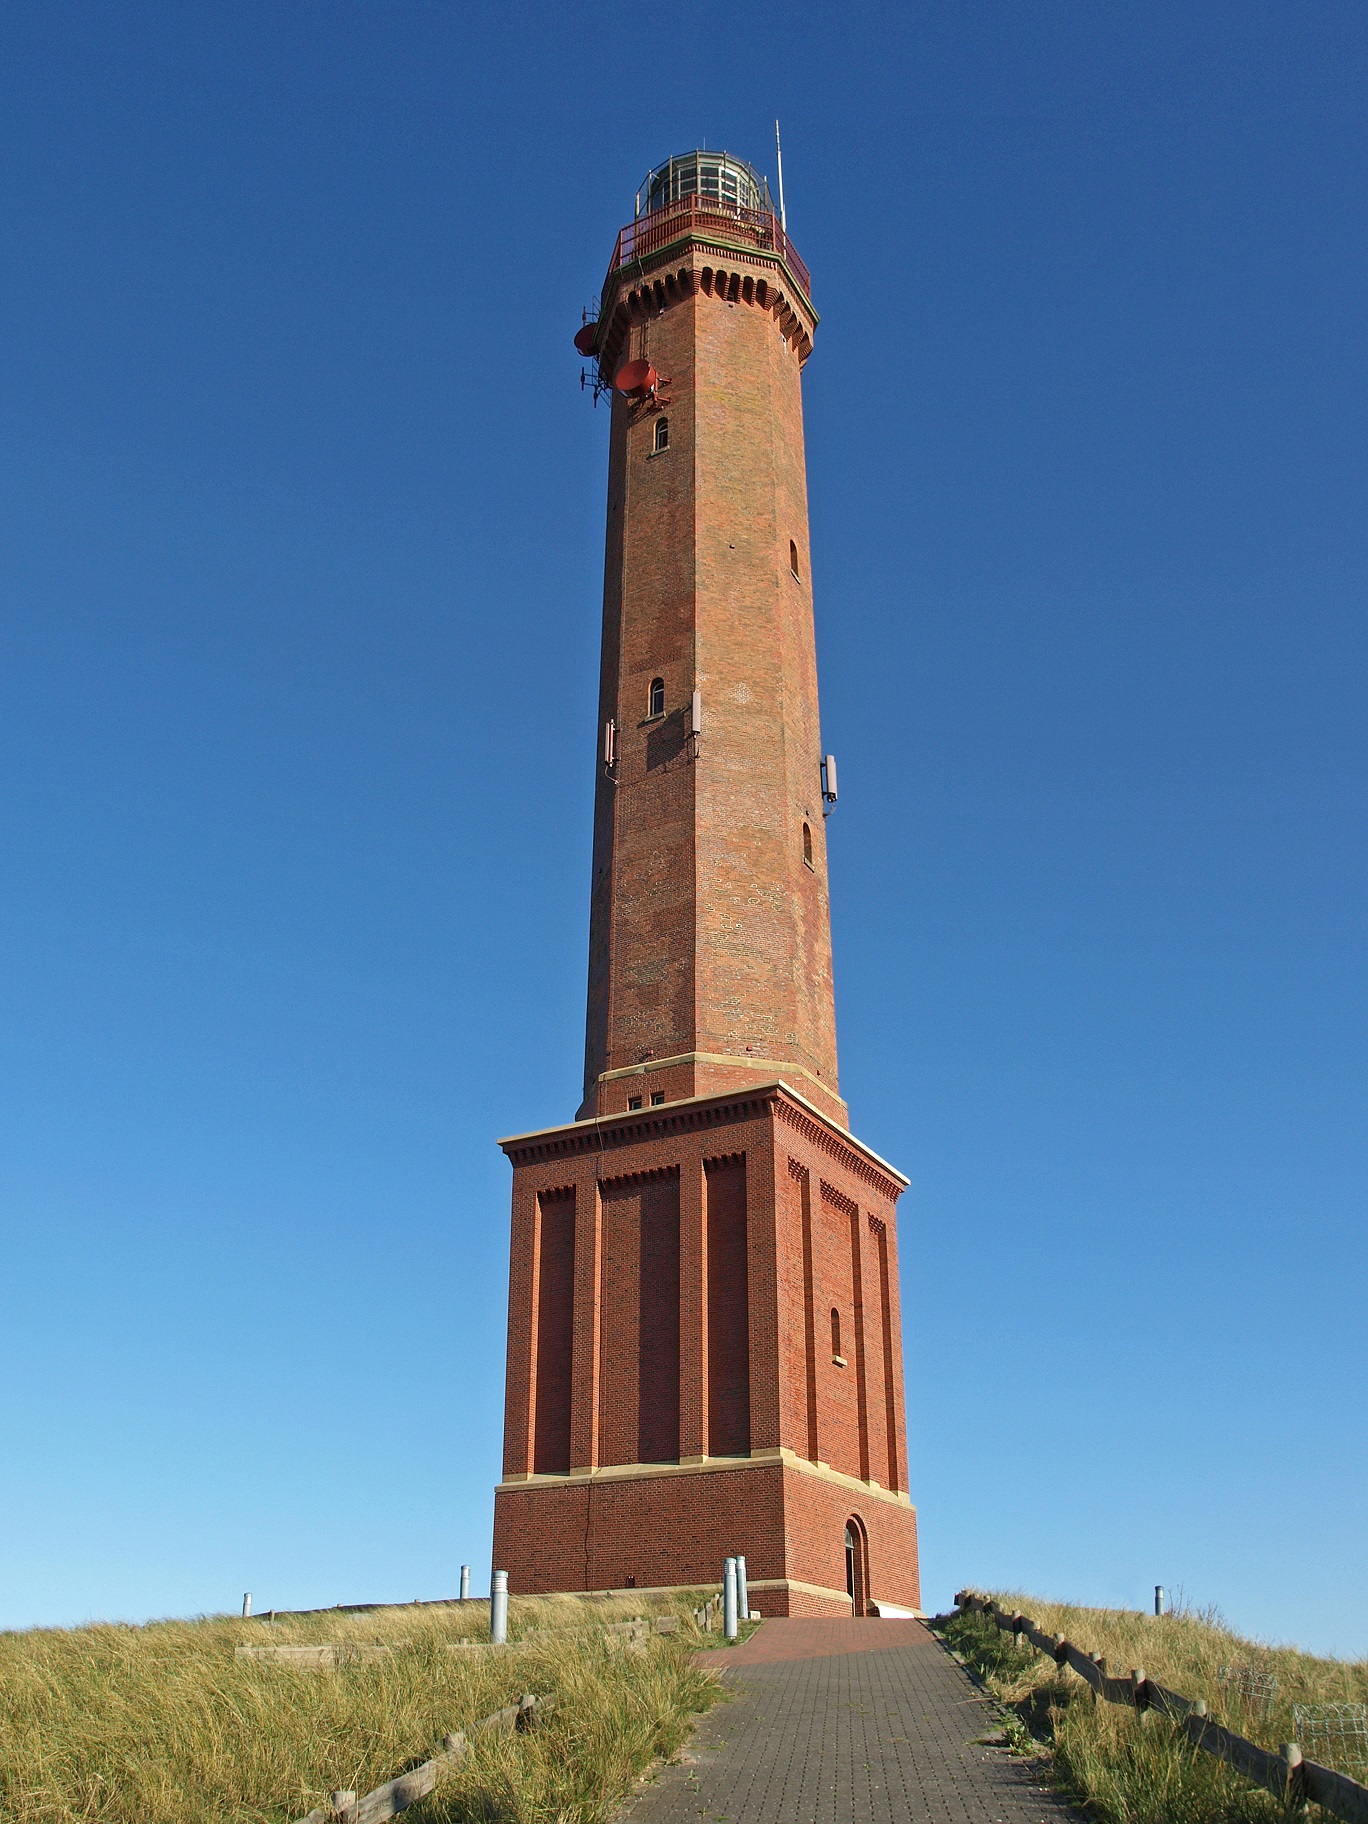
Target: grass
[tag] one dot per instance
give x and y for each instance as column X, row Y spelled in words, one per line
column 163, row 1725
column 1130, row 1769
column 718, row 1640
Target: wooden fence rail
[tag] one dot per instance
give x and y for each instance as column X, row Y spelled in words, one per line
column 324, row 1658
column 394, row 1796
column 1287, row 1775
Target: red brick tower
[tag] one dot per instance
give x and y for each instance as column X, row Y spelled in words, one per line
column 704, row 1343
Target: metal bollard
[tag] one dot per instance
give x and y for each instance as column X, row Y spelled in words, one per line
column 498, row 1608
column 465, row 1583
column 1158, row 1598
column 246, row 1605
column 742, row 1593
column 729, row 1599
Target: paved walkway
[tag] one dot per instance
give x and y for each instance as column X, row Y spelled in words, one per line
column 846, row 1722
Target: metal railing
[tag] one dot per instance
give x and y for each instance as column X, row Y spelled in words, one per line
column 707, row 216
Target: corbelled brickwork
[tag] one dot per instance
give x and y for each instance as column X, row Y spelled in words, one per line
column 705, row 1345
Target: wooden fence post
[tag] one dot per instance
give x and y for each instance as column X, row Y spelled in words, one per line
column 1287, row 1774
column 1294, row 1791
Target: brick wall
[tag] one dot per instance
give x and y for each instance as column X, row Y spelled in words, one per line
column 676, row 1532
column 640, row 1319
column 554, row 1330
column 710, row 1241
column 729, row 1353
column 710, row 947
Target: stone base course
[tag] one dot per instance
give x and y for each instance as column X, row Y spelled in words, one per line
column 676, row 1531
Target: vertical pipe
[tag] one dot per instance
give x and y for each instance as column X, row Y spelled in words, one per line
column 465, row 1583
column 729, row 1599
column 498, row 1608
column 247, row 1605
column 742, row 1593
column 1158, row 1598
column 779, row 156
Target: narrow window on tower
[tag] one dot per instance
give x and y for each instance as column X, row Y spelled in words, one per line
column 662, row 435
column 657, row 1098
column 793, row 557
column 807, row 843
column 836, row 1355
column 657, row 699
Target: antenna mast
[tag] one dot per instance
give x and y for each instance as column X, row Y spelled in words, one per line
column 779, row 156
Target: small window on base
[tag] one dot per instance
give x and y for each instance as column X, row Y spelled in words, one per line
column 656, row 699
column 657, row 1098
column 662, row 435
column 634, row 1101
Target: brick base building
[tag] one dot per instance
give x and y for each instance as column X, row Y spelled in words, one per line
column 705, row 1296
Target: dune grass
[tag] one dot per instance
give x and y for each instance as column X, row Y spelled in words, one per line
column 1133, row 1769
column 162, row 1724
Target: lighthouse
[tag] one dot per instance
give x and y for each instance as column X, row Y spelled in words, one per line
column 704, row 1335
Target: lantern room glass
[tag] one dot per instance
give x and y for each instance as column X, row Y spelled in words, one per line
column 712, row 176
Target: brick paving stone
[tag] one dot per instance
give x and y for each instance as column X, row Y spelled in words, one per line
column 846, row 1722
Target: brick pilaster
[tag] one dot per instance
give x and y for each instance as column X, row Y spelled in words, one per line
column 584, row 1384
column 520, row 1371
column 693, row 1309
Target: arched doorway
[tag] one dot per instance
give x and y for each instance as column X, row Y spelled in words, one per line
column 857, row 1565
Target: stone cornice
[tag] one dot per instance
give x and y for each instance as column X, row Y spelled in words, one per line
column 604, row 1134
column 857, row 1158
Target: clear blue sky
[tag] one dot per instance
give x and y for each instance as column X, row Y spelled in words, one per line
column 300, row 547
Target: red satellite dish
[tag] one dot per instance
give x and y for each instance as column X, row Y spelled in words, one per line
column 636, row 378
column 586, row 338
